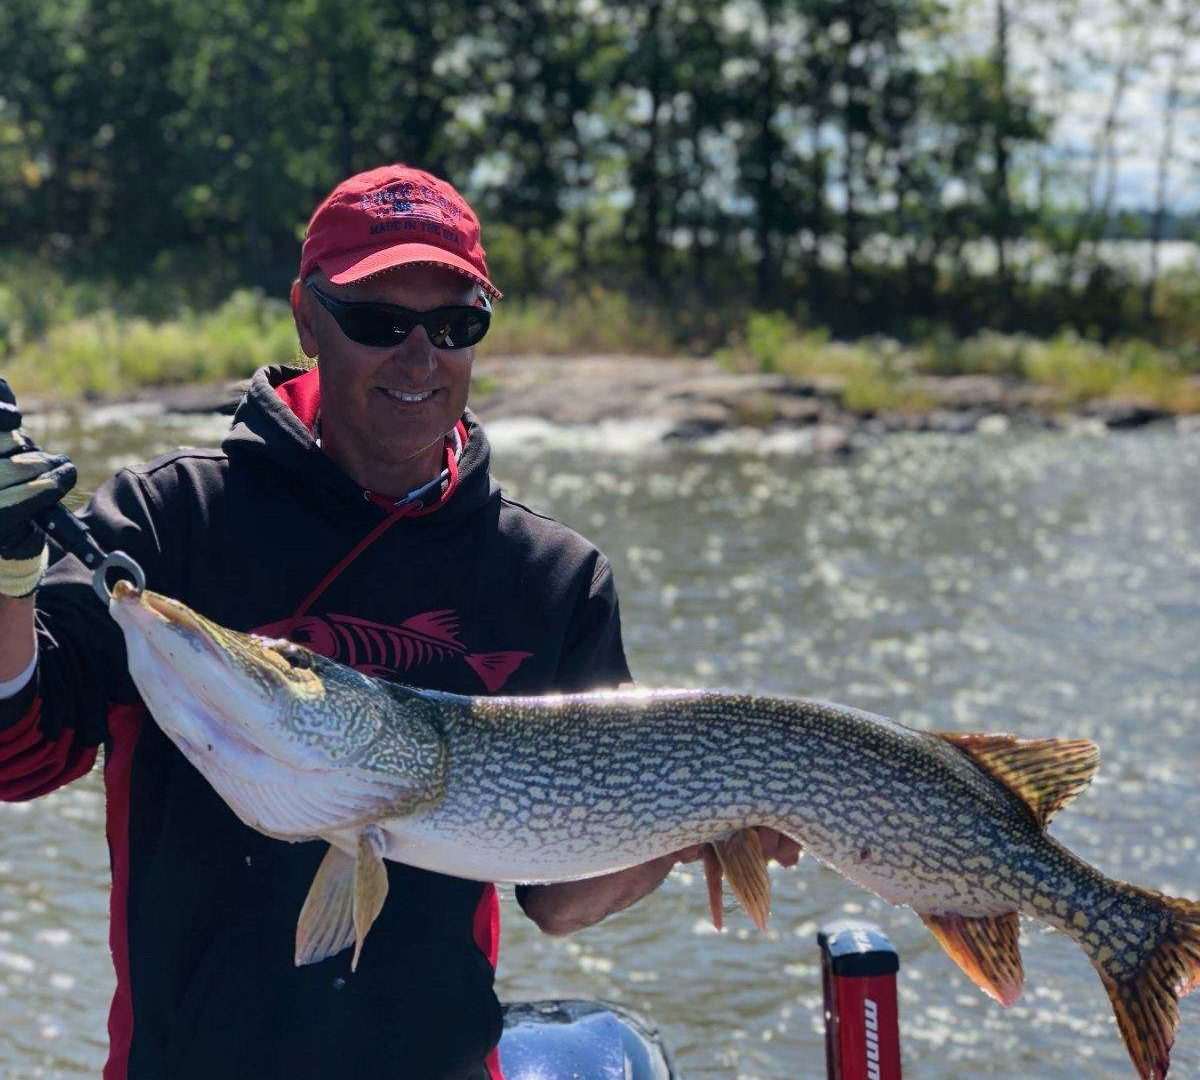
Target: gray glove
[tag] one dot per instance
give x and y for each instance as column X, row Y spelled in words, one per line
column 30, row 481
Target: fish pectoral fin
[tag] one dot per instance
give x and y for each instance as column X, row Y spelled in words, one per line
column 742, row 860
column 1045, row 774
column 370, row 886
column 985, row 948
column 326, row 924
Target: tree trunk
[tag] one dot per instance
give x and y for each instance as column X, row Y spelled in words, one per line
column 852, row 240
column 767, row 284
column 651, row 240
column 1001, row 190
column 1166, row 155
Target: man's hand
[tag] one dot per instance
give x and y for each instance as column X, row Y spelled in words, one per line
column 572, row 905
column 30, row 482
column 568, row 906
column 782, row 849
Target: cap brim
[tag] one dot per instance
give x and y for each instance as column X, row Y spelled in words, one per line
column 346, row 269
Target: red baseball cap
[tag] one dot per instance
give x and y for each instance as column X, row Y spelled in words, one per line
column 393, row 216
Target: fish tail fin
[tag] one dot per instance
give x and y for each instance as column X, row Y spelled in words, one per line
column 1145, row 998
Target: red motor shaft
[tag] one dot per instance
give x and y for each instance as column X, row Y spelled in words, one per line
column 862, row 1029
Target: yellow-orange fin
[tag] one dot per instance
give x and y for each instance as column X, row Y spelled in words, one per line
column 713, row 878
column 326, row 924
column 985, row 948
column 1045, row 774
column 745, row 866
column 370, row 886
column 1146, row 1004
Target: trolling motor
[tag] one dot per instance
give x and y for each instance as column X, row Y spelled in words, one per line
column 862, row 1030
column 597, row 1040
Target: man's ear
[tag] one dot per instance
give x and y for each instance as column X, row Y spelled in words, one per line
column 302, row 312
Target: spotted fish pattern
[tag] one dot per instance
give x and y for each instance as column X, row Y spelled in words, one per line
column 552, row 788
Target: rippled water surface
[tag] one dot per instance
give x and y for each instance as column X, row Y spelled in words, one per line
column 1042, row 584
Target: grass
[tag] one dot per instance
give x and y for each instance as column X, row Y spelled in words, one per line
column 63, row 340
column 597, row 321
column 66, row 339
column 106, row 353
column 880, row 375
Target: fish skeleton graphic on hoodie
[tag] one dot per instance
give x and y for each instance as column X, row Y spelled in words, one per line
column 468, row 593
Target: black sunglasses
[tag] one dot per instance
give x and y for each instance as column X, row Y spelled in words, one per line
column 379, row 325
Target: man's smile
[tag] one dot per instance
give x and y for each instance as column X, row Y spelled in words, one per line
column 407, row 398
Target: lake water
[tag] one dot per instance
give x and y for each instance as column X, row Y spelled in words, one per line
column 1045, row 584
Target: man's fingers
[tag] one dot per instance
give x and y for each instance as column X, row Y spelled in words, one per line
column 29, row 472
column 789, row 852
column 783, row 849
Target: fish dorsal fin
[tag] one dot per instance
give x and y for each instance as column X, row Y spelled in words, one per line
column 985, row 948
column 1045, row 774
column 740, row 858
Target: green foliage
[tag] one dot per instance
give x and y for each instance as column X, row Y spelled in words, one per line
column 1178, row 311
column 855, row 160
column 986, row 353
column 106, row 353
column 723, row 154
column 771, row 342
column 1136, row 370
column 876, row 374
column 598, row 321
column 65, row 339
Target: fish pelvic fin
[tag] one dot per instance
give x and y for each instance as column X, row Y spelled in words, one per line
column 1045, row 774
column 326, row 924
column 741, row 859
column 713, row 879
column 370, row 886
column 343, row 901
column 985, row 948
column 1146, row 1004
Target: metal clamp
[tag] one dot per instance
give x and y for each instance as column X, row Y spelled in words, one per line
column 73, row 535
column 117, row 560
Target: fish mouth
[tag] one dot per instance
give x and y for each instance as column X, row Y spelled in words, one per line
column 244, row 681
column 125, row 595
column 164, row 625
column 127, row 602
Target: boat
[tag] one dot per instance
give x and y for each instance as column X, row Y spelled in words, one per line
column 600, row 1040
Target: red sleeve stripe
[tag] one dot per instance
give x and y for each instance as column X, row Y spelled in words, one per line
column 32, row 765
column 124, row 729
column 486, row 931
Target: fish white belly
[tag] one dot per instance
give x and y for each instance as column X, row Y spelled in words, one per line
column 409, row 842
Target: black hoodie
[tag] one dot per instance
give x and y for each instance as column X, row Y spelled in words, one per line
column 471, row 594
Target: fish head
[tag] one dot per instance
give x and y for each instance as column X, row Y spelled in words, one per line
column 280, row 698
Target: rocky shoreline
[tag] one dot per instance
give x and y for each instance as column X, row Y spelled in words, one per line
column 690, row 399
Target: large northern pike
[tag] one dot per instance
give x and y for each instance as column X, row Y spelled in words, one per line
column 540, row 789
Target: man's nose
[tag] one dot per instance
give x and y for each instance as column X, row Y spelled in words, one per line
column 416, row 352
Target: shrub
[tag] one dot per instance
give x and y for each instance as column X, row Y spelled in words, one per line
column 106, row 353
column 595, row 321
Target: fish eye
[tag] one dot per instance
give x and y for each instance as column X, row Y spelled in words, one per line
column 294, row 655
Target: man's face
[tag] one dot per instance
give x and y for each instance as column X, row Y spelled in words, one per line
column 384, row 411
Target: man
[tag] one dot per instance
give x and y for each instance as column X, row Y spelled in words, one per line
column 350, row 508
